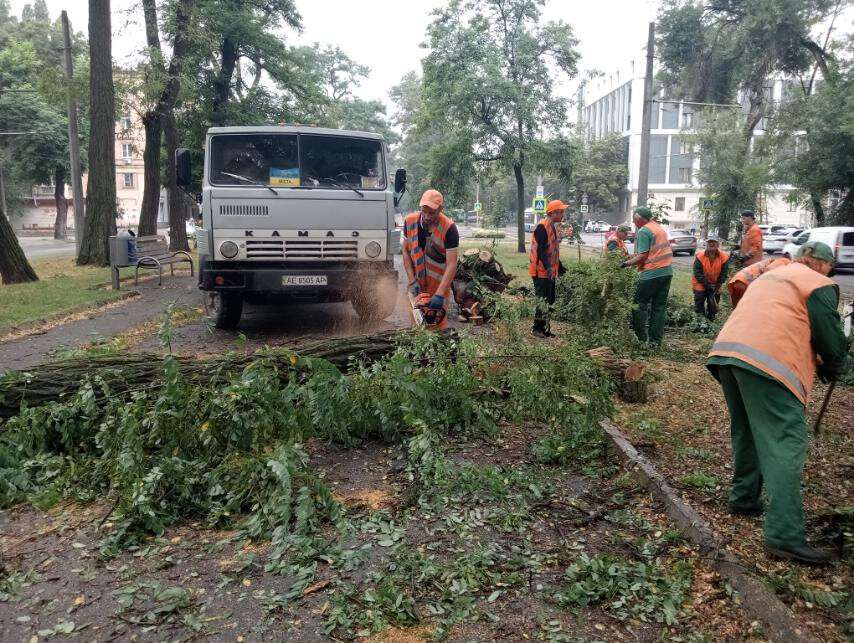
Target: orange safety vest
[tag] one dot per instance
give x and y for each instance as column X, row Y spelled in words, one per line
column 535, row 266
column 660, row 253
column 428, row 262
column 770, row 328
column 711, row 268
column 621, row 245
column 749, row 274
column 752, row 242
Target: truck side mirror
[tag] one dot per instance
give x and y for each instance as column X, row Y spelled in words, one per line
column 400, row 181
column 182, row 167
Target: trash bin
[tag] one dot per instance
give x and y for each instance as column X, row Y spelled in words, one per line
column 119, row 250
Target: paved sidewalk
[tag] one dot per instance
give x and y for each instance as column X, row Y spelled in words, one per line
column 18, row 354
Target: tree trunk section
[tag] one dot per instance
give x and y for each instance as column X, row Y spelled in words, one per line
column 818, row 208
column 60, row 230
column 152, row 122
column 177, row 206
column 101, row 192
column 520, row 207
column 14, row 267
column 222, row 84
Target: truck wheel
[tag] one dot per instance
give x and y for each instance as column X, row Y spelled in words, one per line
column 224, row 309
column 375, row 308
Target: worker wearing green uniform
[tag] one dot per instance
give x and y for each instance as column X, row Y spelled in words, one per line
column 653, row 257
column 766, row 378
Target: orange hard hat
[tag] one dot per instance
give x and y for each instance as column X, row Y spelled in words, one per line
column 433, row 199
column 557, row 204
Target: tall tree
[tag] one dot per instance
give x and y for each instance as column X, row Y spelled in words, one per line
column 14, row 267
column 101, row 189
column 723, row 52
column 489, row 72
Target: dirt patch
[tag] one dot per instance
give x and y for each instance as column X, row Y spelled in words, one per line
column 684, row 429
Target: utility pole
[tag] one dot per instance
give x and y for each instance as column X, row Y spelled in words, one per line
column 73, row 137
column 646, row 122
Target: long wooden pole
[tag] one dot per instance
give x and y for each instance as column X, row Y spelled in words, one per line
column 73, row 136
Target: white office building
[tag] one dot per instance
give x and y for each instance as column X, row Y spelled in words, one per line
column 614, row 104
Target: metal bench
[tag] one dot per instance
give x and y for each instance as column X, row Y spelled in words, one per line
column 153, row 253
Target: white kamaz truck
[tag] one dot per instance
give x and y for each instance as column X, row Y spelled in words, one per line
column 296, row 214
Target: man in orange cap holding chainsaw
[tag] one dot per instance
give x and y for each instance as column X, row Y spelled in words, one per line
column 544, row 264
column 430, row 247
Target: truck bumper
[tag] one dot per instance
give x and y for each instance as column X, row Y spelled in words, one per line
column 255, row 281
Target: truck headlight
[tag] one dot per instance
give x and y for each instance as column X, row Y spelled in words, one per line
column 228, row 249
column 373, row 249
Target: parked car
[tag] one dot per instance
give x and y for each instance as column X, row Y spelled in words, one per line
column 839, row 238
column 529, row 227
column 774, row 241
column 767, row 228
column 682, row 241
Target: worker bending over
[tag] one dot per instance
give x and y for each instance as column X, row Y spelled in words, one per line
column 653, row 257
column 710, row 266
column 765, row 358
column 430, row 251
column 737, row 286
column 616, row 242
column 750, row 251
column 544, row 265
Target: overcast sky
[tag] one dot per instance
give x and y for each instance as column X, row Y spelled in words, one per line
column 385, row 34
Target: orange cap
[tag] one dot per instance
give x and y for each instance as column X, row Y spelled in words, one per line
column 433, row 199
column 557, row 204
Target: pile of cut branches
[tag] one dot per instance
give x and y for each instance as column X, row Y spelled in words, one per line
column 478, row 275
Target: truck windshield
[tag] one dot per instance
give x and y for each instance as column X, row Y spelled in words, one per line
column 315, row 161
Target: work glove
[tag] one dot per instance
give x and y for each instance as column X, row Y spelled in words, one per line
column 549, row 273
column 414, row 289
column 437, row 302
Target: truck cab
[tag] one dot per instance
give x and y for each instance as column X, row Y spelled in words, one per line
column 296, row 214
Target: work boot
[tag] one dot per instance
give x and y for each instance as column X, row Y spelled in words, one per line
column 800, row 554
column 539, row 332
column 746, row 512
column 549, row 333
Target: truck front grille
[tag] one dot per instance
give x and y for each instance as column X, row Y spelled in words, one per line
column 302, row 249
column 238, row 210
column 321, row 249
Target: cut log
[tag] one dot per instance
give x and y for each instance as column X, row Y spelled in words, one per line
column 485, row 256
column 471, row 252
column 629, row 374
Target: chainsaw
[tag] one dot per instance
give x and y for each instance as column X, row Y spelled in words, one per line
column 423, row 314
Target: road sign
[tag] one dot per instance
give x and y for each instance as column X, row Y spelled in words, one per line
column 477, row 206
column 708, row 204
column 539, row 191
column 584, row 208
column 584, row 198
column 539, row 205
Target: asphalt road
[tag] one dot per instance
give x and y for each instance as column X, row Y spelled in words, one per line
column 844, row 279
column 44, row 247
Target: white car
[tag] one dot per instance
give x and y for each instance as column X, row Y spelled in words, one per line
column 775, row 241
column 839, row 238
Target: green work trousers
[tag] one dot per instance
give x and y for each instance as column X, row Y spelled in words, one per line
column 650, row 311
column 769, row 443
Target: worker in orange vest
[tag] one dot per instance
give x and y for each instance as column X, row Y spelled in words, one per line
column 737, row 286
column 765, row 358
column 616, row 242
column 750, row 251
column 544, row 265
column 653, row 258
column 710, row 266
column 430, row 244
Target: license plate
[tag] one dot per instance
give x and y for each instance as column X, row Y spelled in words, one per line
column 305, row 280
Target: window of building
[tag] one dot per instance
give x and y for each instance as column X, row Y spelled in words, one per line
column 687, row 118
column 670, row 116
column 128, row 179
column 657, row 158
column 125, row 122
column 684, row 174
column 127, row 150
column 679, row 205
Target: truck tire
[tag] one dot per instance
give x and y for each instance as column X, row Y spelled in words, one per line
column 374, row 308
column 224, row 309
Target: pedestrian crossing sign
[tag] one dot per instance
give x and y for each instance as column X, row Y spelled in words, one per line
column 539, row 205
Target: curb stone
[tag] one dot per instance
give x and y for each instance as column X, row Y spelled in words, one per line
column 777, row 620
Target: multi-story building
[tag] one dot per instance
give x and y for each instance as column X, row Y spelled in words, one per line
column 38, row 210
column 613, row 104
